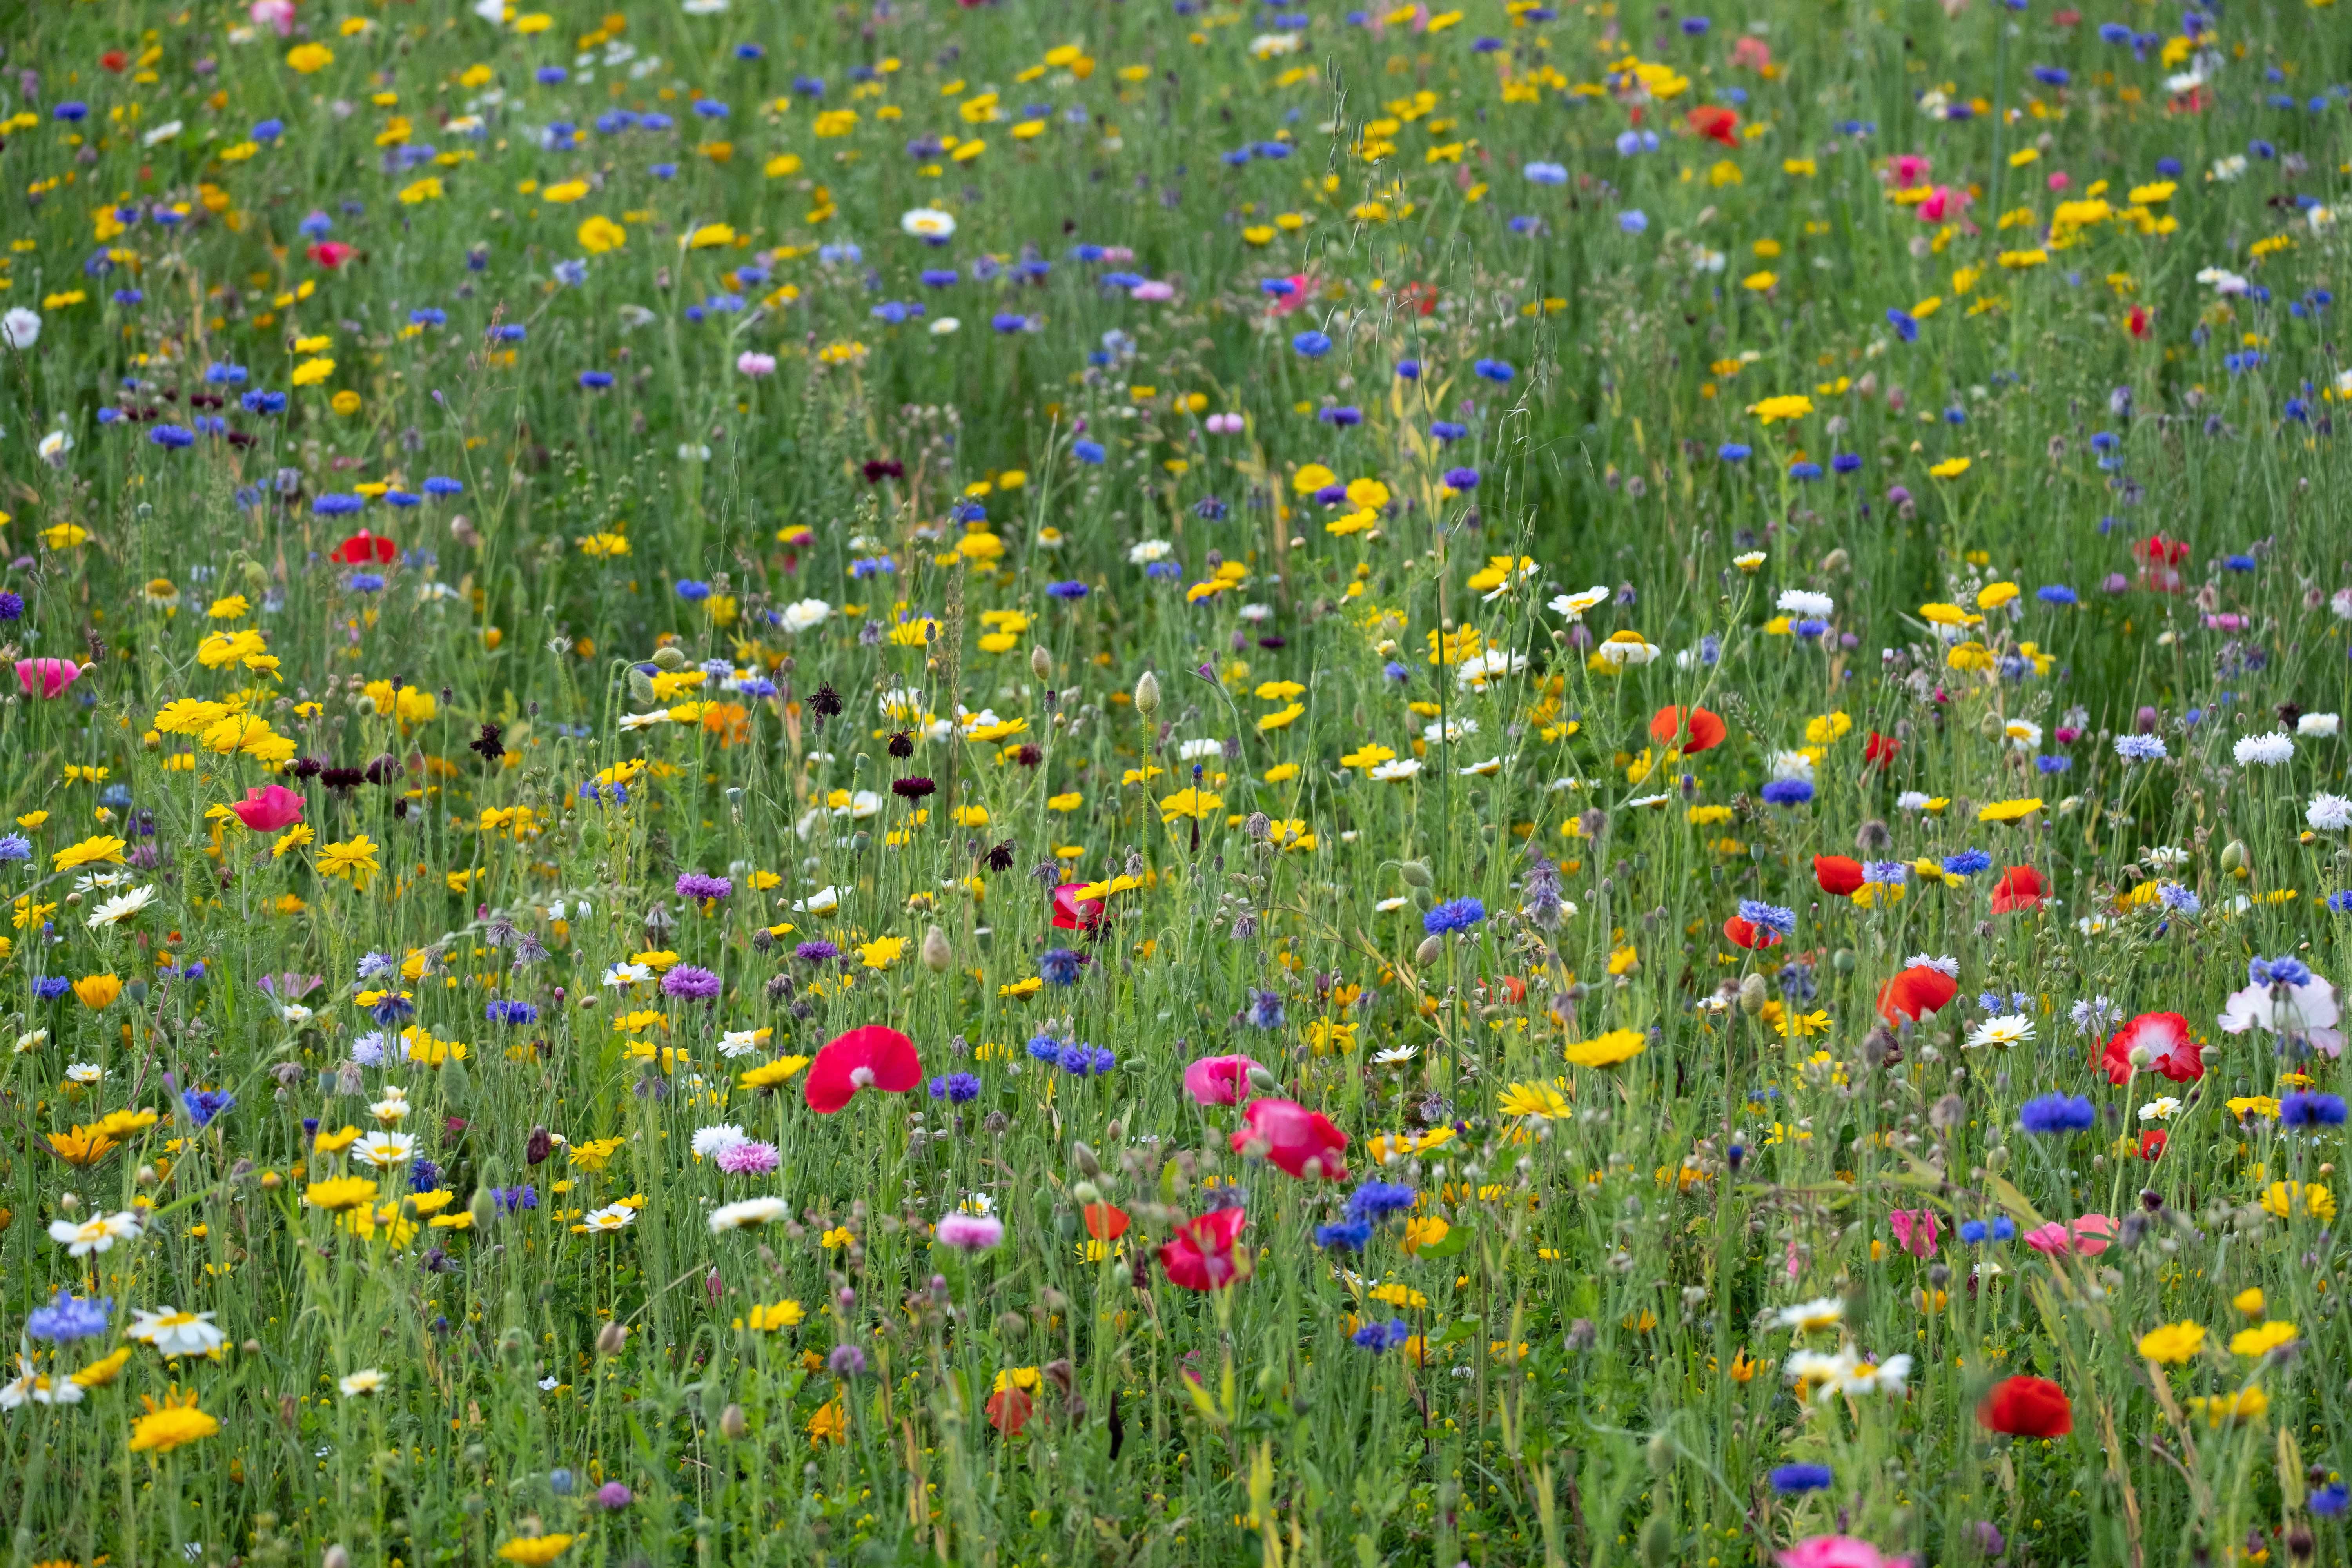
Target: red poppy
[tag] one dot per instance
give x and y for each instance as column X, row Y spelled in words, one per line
column 2027, row 1408
column 1715, row 123
column 1839, row 875
column 1074, row 914
column 2151, row 1145
column 870, row 1056
column 1914, row 993
column 2139, row 321
column 2161, row 551
column 364, row 549
column 1420, row 299
column 1706, row 730
column 2165, row 1038
column 1509, row 988
column 331, row 253
column 1743, row 933
column 1106, row 1222
column 1008, row 1410
column 115, row 60
column 1880, row 750
column 1294, row 1138
column 2020, row 887
column 1200, row 1255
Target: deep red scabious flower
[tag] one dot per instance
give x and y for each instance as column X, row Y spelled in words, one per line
column 870, row 1056
column 914, row 788
column 364, row 549
column 2027, row 1408
column 2020, row 887
column 46, row 676
column 1919, row 990
column 1074, row 914
column 1744, row 933
column 1200, row 1255
column 2151, row 1145
column 1706, row 730
column 2164, row 1037
column 331, row 253
column 1218, row 1081
column 268, row 810
column 1839, row 875
column 1880, row 750
column 1715, row 123
column 1104, row 1222
column 1295, row 1137
column 1009, row 1410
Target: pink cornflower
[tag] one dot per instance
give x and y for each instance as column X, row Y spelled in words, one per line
column 747, row 1159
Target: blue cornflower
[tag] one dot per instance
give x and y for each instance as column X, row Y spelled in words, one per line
column 171, row 437
column 2056, row 593
column 1735, row 452
column 1083, row 1061
column 2140, row 748
column 511, row 1013
column 1493, row 370
column 1044, row 1047
column 15, row 845
column 1265, row 1011
column 691, row 591
column 2052, row 764
column 2337, row 903
column 70, row 1317
column 1086, row 451
column 1768, row 916
column 1454, row 914
column 1445, row 430
column 511, row 1200
column 2300, row 1109
column 2277, row 971
column 203, row 1104
column 1790, row 1480
column 2330, row 1499
column 1967, row 863
column 49, row 987
column 2178, row 900
column 424, row 1176
column 1070, row 590
column 1975, row 1232
column 1382, row 1336
column 955, row 1088
column 1888, row 873
column 1906, row 324
column 1845, row 463
column 1376, row 1201
column 1347, row 1236
column 1461, row 479
column 367, row 582
column 2056, row 1113
column 1408, row 370
column 1787, row 792
column 1060, row 966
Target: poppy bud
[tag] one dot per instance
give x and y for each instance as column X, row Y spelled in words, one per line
column 1429, row 949
column 1416, row 873
column 1041, row 663
column 1084, row 1159
column 670, row 657
column 1752, row 994
column 484, row 1209
column 1660, row 1454
column 641, row 685
column 732, row 1423
column 1658, row 1541
column 937, row 955
column 611, row 1338
column 1836, row 560
column 2233, row 856
column 1261, row 1080
column 1086, row 1193
column 335, row 1557
column 1147, row 694
column 1992, row 726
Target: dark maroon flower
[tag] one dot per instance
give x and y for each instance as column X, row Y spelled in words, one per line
column 914, row 788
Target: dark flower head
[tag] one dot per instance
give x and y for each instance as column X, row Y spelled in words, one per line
column 914, row 788
column 1061, row 967
column 827, row 702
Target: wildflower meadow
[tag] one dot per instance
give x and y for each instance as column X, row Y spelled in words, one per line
column 1158, row 783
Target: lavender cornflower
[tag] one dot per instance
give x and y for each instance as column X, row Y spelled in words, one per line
column 690, row 983
column 1768, row 916
column 70, row 1317
column 695, row 885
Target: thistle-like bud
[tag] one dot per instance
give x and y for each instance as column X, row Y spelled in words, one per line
column 2233, row 856
column 611, row 1338
column 641, row 685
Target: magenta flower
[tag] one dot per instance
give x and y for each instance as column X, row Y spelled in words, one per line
column 1837, row 1551
column 1218, row 1081
column 1914, row 1231
column 747, row 1159
column 971, row 1232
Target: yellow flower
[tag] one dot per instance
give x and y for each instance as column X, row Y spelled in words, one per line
column 1992, row 595
column 2285, row 1199
column 353, row 860
column 1534, row 1100
column 1608, row 1050
column 882, row 952
column 830, row 1423
column 2261, row 1341
column 2246, row 1405
column 311, row 371
column 1949, row 469
column 600, row 234
column 105, row 1370
column 1193, row 802
column 568, row 192
column 2173, row 1343
column 1423, row 1230
column 535, row 1549
column 1368, row 756
column 97, row 992
column 169, row 1425
column 2010, row 810
column 2250, row 1301
column 305, row 58
column 766, row 1319
column 1282, row 718
column 1787, row 406
column 100, row 850
column 339, row 1193
column 770, row 1074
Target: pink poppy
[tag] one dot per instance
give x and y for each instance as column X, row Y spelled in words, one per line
column 1945, row 202
column 870, row 1056
column 2091, row 1234
column 1914, row 1231
column 53, row 675
column 1218, row 1081
column 1909, row 168
column 1837, row 1551
column 1074, row 914
column 1200, row 1255
column 1295, row 1139
column 269, row 809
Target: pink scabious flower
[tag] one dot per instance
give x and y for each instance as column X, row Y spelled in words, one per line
column 747, row 1159
column 1218, row 1081
column 971, row 1232
column 755, row 364
column 1837, row 1551
column 2089, row 1237
column 46, row 676
column 1914, row 1231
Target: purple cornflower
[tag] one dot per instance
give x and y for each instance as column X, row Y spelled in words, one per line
column 695, row 885
column 690, row 983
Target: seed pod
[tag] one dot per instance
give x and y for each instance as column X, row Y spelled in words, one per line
column 1147, row 694
column 938, row 956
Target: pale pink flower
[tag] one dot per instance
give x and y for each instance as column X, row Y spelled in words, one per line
column 747, row 1159
column 2090, row 1237
column 50, row 675
column 755, row 364
column 971, row 1232
column 1153, row 290
column 277, row 14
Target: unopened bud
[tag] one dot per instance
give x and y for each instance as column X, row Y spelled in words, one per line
column 937, row 954
column 335, row 1557
column 1416, row 874
column 731, row 1424
column 1084, row 1159
column 484, row 1209
column 1992, row 726
column 1752, row 994
column 1428, row 951
column 1086, row 1193
column 1261, row 1080
column 611, row 1338
column 1041, row 663
column 670, row 656
column 2233, row 856
column 1147, row 694
column 641, row 685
